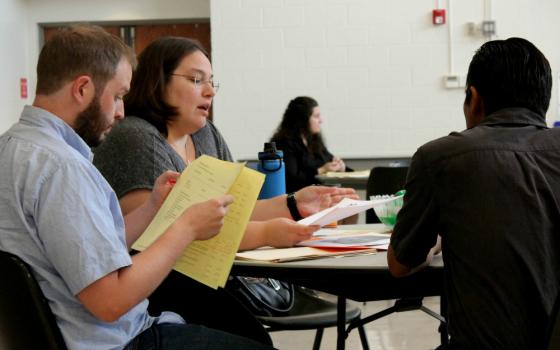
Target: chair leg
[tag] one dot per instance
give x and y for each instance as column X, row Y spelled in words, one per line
column 363, row 337
column 318, row 338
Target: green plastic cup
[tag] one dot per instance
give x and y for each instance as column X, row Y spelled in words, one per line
column 387, row 211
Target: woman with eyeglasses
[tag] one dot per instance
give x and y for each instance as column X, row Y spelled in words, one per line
column 299, row 137
column 165, row 129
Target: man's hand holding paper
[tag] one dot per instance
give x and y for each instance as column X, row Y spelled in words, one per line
column 162, row 187
column 205, row 219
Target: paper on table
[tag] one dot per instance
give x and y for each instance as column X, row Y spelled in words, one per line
column 347, row 241
column 378, row 237
column 297, row 253
column 348, row 174
column 345, row 208
column 341, row 230
column 209, row 261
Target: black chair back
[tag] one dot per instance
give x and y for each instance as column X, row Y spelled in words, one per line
column 384, row 180
column 26, row 320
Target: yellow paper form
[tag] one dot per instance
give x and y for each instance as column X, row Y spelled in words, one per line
column 209, row 261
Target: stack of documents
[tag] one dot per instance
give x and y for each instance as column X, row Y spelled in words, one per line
column 325, row 243
column 298, row 253
column 357, row 239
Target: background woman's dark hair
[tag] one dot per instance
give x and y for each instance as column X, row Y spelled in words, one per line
column 295, row 122
column 511, row 73
column 147, row 88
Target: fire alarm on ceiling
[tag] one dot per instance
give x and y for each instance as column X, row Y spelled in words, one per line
column 438, row 16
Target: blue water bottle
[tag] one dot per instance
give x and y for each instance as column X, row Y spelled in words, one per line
column 271, row 164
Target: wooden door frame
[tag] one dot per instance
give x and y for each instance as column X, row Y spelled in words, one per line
column 124, row 23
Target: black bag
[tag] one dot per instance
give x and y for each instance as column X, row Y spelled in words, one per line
column 263, row 296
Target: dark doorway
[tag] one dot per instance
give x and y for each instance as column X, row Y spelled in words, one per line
column 138, row 36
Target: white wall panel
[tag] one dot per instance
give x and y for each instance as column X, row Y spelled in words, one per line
column 13, row 56
column 375, row 66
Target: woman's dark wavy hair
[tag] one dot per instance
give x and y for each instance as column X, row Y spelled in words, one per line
column 147, row 88
column 295, row 122
column 511, row 73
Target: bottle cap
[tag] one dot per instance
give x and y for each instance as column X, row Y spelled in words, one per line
column 270, row 147
column 270, row 152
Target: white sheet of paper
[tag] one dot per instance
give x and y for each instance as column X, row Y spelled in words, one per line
column 348, row 175
column 340, row 231
column 345, row 208
column 363, row 240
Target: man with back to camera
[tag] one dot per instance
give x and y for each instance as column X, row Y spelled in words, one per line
column 60, row 216
column 492, row 192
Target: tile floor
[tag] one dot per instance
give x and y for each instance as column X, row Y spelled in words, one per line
column 414, row 330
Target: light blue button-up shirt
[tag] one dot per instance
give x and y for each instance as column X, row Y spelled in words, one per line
column 59, row 215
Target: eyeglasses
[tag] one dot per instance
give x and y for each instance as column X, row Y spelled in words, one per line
column 197, row 81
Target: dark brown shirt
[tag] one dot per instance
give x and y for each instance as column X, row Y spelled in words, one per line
column 493, row 193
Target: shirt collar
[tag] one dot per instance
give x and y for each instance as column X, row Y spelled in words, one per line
column 39, row 117
column 515, row 116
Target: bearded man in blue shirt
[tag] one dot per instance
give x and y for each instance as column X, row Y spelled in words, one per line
column 61, row 217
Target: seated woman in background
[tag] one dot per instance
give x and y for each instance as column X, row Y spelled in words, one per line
column 299, row 137
column 170, row 96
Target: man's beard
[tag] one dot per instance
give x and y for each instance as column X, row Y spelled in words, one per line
column 91, row 124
